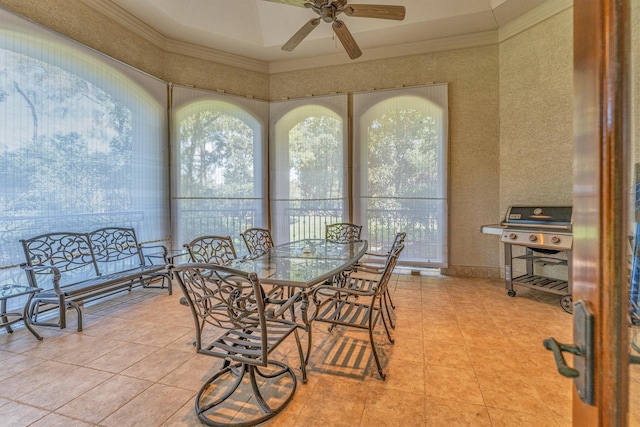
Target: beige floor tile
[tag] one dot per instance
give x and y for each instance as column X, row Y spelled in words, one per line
column 393, row 408
column 453, row 383
column 450, row 353
column 104, row 399
column 152, row 407
column 192, row 374
column 31, row 379
column 55, row 420
column 505, row 418
column 16, row 414
column 519, row 398
column 164, row 335
column 17, row 364
column 184, row 417
column 157, row 364
column 121, row 358
column 329, row 411
column 451, row 413
column 75, row 348
column 55, row 394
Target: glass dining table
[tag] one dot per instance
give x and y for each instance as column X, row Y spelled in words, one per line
column 303, row 263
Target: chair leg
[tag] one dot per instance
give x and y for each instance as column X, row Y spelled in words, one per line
column 389, row 296
column 375, row 353
column 387, row 303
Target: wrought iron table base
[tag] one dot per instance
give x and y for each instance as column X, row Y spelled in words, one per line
column 9, row 318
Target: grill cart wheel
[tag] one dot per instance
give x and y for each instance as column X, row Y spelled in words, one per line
column 566, row 302
column 511, row 293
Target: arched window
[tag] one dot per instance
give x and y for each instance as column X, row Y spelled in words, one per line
column 308, row 166
column 218, row 156
column 400, row 170
column 82, row 141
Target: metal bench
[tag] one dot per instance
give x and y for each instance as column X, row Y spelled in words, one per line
column 71, row 268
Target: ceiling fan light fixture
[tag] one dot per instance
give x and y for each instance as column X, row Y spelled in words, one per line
column 328, row 11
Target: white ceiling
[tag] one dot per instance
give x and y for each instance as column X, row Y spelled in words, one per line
column 256, row 29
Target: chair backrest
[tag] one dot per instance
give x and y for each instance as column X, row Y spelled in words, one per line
column 343, row 232
column 389, row 266
column 232, row 301
column 257, row 240
column 399, row 240
column 211, row 249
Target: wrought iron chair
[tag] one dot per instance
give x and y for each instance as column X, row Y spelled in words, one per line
column 357, row 305
column 369, row 265
column 232, row 322
column 343, row 232
column 257, row 240
column 211, row 249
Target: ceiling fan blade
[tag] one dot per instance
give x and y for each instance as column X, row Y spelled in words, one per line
column 299, row 3
column 300, row 35
column 375, row 11
column 347, row 40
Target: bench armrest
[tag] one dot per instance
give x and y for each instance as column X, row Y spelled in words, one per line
column 151, row 252
column 31, row 271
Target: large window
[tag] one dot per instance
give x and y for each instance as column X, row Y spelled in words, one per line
column 83, row 142
column 400, row 170
column 218, row 157
column 308, row 160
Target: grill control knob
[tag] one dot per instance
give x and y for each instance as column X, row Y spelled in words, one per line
column 533, row 237
column 555, row 239
column 513, row 236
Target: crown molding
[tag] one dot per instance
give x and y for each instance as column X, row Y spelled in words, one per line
column 533, row 17
column 133, row 24
column 520, row 24
column 406, row 49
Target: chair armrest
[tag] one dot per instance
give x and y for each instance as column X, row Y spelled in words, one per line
column 374, row 254
column 284, row 305
column 368, row 268
column 339, row 290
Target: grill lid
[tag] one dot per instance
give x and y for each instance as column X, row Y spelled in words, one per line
column 557, row 217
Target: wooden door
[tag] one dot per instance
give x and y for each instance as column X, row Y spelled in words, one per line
column 600, row 200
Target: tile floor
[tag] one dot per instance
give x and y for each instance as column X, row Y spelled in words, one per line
column 465, row 354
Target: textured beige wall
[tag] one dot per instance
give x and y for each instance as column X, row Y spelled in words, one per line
column 76, row 20
column 536, row 114
column 472, row 75
column 536, row 121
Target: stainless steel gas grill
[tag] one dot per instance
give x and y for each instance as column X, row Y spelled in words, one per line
column 545, row 233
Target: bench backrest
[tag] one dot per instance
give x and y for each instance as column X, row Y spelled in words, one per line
column 116, row 249
column 70, row 253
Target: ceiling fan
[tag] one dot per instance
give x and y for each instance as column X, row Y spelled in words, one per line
column 329, row 10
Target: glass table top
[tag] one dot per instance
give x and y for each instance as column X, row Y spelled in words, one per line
column 302, row 263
